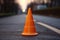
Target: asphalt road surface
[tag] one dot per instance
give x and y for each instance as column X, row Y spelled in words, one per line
column 11, row 28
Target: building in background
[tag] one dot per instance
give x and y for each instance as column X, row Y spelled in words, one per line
column 49, row 3
column 11, row 6
column 8, row 6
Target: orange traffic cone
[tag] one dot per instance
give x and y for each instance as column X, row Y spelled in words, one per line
column 29, row 28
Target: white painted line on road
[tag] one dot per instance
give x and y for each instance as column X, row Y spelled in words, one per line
column 35, row 20
column 49, row 27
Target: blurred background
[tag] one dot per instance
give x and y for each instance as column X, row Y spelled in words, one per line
column 46, row 14
column 41, row 7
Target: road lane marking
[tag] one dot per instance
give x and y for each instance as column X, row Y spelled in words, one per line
column 49, row 27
